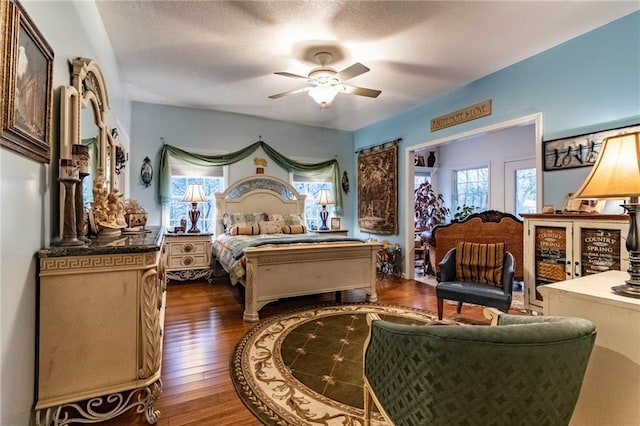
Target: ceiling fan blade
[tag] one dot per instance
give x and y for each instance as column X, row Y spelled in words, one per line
column 290, row 92
column 288, row 74
column 362, row 91
column 352, row 71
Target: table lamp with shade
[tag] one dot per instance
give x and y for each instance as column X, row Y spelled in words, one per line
column 324, row 197
column 616, row 175
column 194, row 195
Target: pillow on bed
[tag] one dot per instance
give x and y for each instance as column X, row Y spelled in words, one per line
column 294, row 229
column 269, row 227
column 242, row 219
column 287, row 219
column 244, row 230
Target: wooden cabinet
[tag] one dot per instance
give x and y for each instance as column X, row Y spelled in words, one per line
column 610, row 393
column 564, row 247
column 100, row 321
column 188, row 256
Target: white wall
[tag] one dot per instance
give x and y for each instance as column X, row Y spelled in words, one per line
column 29, row 191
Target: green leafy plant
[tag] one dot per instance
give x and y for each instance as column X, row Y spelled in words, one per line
column 430, row 209
column 463, row 211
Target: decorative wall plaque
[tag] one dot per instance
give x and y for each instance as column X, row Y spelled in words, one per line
column 463, row 115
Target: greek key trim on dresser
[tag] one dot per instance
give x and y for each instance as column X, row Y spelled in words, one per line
column 52, row 265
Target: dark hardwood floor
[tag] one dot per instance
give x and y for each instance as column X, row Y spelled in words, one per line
column 203, row 323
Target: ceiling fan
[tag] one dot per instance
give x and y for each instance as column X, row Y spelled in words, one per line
column 326, row 82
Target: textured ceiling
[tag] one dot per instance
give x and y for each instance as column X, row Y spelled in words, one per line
column 221, row 55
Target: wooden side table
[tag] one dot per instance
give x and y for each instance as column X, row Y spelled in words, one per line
column 188, row 256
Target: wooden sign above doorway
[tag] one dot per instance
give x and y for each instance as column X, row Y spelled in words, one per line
column 463, row 115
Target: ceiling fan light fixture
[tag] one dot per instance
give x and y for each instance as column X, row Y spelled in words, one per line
column 324, row 94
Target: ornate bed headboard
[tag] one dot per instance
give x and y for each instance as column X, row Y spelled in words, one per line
column 258, row 194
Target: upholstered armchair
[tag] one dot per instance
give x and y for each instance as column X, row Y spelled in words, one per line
column 526, row 370
column 481, row 274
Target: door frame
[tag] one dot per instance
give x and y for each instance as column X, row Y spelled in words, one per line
column 535, row 119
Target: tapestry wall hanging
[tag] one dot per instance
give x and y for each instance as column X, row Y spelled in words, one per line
column 378, row 189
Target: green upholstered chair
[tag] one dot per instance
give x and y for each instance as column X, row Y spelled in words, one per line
column 481, row 274
column 526, row 370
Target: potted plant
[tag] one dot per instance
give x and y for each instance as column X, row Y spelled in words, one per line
column 462, row 212
column 429, row 207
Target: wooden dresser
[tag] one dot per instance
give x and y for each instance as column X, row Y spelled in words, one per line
column 100, row 321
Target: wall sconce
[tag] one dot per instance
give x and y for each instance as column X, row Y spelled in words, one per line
column 146, row 172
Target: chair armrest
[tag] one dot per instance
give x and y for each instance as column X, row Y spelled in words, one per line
column 448, row 266
column 508, row 271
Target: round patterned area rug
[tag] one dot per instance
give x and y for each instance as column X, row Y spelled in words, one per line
column 304, row 367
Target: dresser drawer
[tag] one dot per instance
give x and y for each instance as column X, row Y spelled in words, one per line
column 189, row 247
column 199, row 260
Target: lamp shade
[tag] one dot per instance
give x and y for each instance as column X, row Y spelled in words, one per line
column 194, row 194
column 323, row 94
column 616, row 173
column 324, row 197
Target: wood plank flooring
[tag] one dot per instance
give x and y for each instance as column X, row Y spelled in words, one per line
column 203, row 323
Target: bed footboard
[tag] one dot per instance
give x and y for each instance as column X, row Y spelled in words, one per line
column 286, row 271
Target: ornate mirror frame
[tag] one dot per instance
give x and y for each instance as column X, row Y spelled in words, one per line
column 87, row 90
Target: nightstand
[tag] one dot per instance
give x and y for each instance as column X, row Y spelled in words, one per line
column 188, row 256
column 344, row 232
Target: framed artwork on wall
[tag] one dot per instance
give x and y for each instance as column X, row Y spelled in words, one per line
column 378, row 189
column 27, row 76
column 578, row 151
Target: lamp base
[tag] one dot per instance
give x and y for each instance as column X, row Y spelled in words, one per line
column 627, row 290
column 324, row 215
column 631, row 288
column 194, row 215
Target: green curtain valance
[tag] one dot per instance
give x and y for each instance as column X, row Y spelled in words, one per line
column 164, row 177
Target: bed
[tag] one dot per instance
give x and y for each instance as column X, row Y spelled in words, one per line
column 285, row 266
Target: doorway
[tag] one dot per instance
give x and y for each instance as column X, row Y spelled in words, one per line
column 499, row 202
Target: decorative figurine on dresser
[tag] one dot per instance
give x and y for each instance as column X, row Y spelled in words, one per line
column 100, row 304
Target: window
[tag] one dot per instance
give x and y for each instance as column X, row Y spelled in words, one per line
column 471, row 188
column 212, row 181
column 525, row 191
column 310, row 187
column 420, row 178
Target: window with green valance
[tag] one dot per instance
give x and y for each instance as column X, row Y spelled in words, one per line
column 292, row 166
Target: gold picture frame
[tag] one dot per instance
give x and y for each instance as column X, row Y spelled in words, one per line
column 335, row 223
column 26, row 74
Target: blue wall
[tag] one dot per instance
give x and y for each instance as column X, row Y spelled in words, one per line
column 197, row 130
column 587, row 84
